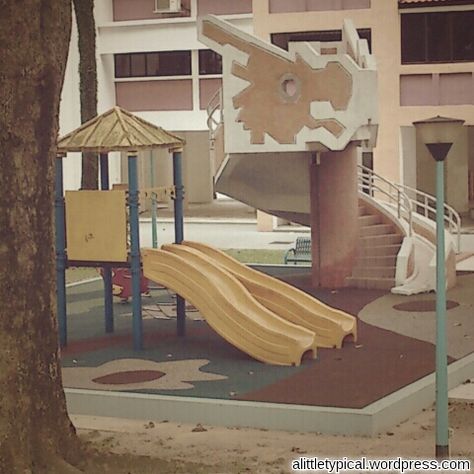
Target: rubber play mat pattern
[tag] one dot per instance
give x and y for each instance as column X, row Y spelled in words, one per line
column 202, row 364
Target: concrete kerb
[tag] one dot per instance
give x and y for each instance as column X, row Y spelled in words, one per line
column 369, row 421
column 410, row 400
column 217, row 412
column 203, row 220
column 83, row 282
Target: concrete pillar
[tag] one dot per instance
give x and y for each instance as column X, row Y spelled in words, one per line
column 334, row 217
column 265, row 222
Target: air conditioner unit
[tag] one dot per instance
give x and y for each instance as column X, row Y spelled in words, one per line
column 167, row 6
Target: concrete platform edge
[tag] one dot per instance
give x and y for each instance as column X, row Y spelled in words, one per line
column 410, row 400
column 369, row 421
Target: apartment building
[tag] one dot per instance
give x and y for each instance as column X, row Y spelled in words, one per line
column 150, row 62
column 425, row 59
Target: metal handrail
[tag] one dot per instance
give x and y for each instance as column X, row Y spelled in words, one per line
column 427, row 204
column 211, row 109
column 399, row 196
column 373, row 184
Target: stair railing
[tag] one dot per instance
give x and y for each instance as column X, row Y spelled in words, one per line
column 425, row 204
column 214, row 112
column 408, row 200
column 383, row 190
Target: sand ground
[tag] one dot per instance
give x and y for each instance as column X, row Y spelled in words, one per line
column 164, row 447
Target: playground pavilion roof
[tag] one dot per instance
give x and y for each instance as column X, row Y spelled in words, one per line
column 117, row 130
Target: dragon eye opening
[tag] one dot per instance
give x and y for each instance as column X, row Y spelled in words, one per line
column 290, row 87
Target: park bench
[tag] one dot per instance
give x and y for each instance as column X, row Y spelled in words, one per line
column 301, row 252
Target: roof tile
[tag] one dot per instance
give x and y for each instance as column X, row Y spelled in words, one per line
column 117, row 130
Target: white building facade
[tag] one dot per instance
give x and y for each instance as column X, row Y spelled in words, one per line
column 150, row 62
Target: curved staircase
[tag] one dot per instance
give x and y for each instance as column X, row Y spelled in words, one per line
column 379, row 245
column 391, row 215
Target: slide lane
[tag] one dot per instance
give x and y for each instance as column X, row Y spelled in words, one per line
column 228, row 307
column 330, row 325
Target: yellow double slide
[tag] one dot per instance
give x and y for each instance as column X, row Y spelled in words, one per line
column 264, row 317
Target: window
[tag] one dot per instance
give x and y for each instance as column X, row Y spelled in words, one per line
column 282, row 39
column 437, row 89
column 289, row 6
column 165, row 63
column 223, row 7
column 138, row 65
column 413, row 39
column 126, row 10
column 174, row 94
column 209, row 62
column 167, row 5
column 122, row 65
column 463, row 37
column 417, row 89
column 367, row 162
column 440, row 37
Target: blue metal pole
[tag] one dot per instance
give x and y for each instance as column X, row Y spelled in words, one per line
column 108, row 299
column 154, row 235
column 179, row 198
column 442, row 430
column 135, row 252
column 107, row 270
column 60, row 227
column 179, row 233
column 104, row 172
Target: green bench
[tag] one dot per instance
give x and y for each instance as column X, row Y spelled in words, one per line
column 301, row 251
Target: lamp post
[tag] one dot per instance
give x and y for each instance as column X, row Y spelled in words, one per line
column 438, row 135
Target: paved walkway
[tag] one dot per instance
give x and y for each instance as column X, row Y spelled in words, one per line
column 226, row 223
column 223, row 234
column 415, row 316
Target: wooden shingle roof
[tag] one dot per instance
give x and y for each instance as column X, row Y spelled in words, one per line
column 117, row 130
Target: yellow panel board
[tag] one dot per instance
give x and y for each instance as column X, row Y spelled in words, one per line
column 96, row 226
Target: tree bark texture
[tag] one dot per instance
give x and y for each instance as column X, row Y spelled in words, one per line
column 36, row 434
column 84, row 10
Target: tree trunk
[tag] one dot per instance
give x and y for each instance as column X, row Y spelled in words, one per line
column 84, row 10
column 36, row 434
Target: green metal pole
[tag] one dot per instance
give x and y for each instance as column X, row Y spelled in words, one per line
column 135, row 253
column 154, row 234
column 178, row 232
column 442, row 430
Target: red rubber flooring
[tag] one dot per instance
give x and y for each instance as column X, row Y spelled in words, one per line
column 379, row 363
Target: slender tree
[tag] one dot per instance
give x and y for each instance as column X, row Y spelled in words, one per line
column 36, row 435
column 84, row 10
